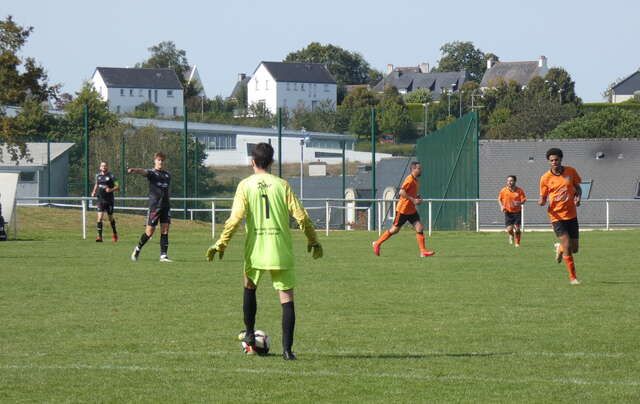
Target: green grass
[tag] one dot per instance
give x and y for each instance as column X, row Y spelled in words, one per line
column 479, row 322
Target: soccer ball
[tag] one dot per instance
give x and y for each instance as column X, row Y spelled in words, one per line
column 263, row 343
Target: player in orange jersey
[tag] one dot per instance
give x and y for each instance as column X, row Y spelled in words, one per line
column 510, row 199
column 406, row 212
column 561, row 187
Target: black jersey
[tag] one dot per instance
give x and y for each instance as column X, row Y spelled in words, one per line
column 158, row 189
column 105, row 181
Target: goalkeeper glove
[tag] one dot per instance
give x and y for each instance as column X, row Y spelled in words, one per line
column 211, row 253
column 317, row 250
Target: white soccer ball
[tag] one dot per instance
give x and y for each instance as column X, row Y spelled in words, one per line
column 263, row 343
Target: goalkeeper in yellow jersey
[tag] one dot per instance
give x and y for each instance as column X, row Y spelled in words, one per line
column 267, row 202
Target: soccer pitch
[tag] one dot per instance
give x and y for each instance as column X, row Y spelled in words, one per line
column 480, row 321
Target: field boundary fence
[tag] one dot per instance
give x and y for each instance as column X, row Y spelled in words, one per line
column 324, row 216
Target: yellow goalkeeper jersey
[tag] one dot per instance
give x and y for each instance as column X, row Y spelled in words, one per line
column 267, row 202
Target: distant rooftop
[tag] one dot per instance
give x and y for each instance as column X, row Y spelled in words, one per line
column 124, row 77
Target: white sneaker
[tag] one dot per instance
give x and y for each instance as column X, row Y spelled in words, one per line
column 558, row 253
column 574, row 282
column 517, row 244
column 510, row 239
column 135, row 253
column 164, row 258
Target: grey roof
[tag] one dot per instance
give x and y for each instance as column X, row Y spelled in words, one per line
column 520, row 72
column 120, row 77
column 629, row 85
column 37, row 154
column 299, row 72
column 411, row 79
column 526, row 159
column 213, row 128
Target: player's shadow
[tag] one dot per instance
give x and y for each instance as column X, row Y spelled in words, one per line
column 420, row 356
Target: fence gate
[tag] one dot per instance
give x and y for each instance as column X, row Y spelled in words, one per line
column 450, row 170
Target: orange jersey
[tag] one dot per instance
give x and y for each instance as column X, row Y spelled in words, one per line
column 560, row 191
column 410, row 186
column 509, row 199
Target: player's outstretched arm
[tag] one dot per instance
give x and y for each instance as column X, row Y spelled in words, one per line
column 139, row 171
column 230, row 226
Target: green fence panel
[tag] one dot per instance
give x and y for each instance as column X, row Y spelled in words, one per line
column 449, row 159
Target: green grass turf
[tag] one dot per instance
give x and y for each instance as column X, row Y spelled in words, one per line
column 480, row 321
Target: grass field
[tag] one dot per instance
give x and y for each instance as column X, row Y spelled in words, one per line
column 479, row 322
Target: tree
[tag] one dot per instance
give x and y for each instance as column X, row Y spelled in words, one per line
column 20, row 79
column 560, row 84
column 345, row 66
column 459, row 55
column 419, row 96
column 538, row 117
column 166, row 55
column 612, row 122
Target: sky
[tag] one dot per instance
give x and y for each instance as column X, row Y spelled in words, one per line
column 596, row 42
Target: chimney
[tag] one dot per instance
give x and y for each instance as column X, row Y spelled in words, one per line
column 424, row 67
column 241, row 76
column 542, row 62
column 490, row 62
column 389, row 68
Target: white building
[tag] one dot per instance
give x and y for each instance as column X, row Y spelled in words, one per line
column 126, row 88
column 231, row 145
column 291, row 86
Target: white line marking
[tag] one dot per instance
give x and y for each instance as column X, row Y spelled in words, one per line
column 322, row 373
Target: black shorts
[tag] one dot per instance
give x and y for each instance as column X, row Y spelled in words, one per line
column 402, row 219
column 569, row 227
column 105, row 206
column 162, row 215
column 512, row 218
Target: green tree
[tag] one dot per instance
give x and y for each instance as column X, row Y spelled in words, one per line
column 538, row 117
column 345, row 66
column 419, row 96
column 610, row 122
column 560, row 85
column 145, row 110
column 458, row 55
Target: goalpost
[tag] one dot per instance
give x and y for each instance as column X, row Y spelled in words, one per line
column 8, row 188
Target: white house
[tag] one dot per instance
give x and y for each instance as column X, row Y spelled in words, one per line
column 626, row 88
column 291, row 86
column 192, row 76
column 126, row 88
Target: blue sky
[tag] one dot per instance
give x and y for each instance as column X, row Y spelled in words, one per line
column 596, row 42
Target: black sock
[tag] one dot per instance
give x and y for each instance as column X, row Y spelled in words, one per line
column 164, row 244
column 99, row 227
column 143, row 240
column 113, row 227
column 249, row 308
column 288, row 324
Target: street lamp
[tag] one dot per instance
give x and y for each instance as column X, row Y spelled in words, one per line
column 460, row 92
column 426, row 117
column 304, row 141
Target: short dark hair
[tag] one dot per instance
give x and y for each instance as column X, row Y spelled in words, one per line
column 414, row 164
column 159, row 155
column 515, row 179
column 262, row 154
column 554, row 151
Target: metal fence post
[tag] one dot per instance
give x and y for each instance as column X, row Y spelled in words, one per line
column 477, row 216
column 326, row 216
column 606, row 202
column 430, row 212
column 369, row 218
column 84, row 219
column 522, row 219
column 213, row 220
column 379, row 217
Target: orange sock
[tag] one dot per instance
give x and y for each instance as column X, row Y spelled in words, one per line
column 420, row 238
column 384, row 237
column 571, row 266
column 518, row 235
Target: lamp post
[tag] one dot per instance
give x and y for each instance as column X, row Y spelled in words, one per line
column 460, row 92
column 304, row 141
column 426, row 117
column 449, row 94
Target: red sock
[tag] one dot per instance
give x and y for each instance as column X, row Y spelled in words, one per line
column 420, row 238
column 384, row 237
column 518, row 234
column 571, row 266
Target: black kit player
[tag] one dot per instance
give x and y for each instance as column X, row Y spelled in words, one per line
column 106, row 185
column 159, row 206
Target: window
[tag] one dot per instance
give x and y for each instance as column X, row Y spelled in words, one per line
column 131, row 92
column 27, row 176
column 637, row 191
column 122, row 92
column 220, row 142
column 288, row 86
column 117, row 109
column 175, row 111
column 155, row 96
column 586, row 188
column 266, row 84
column 257, row 85
column 140, row 93
column 170, row 93
column 301, row 86
column 325, row 144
